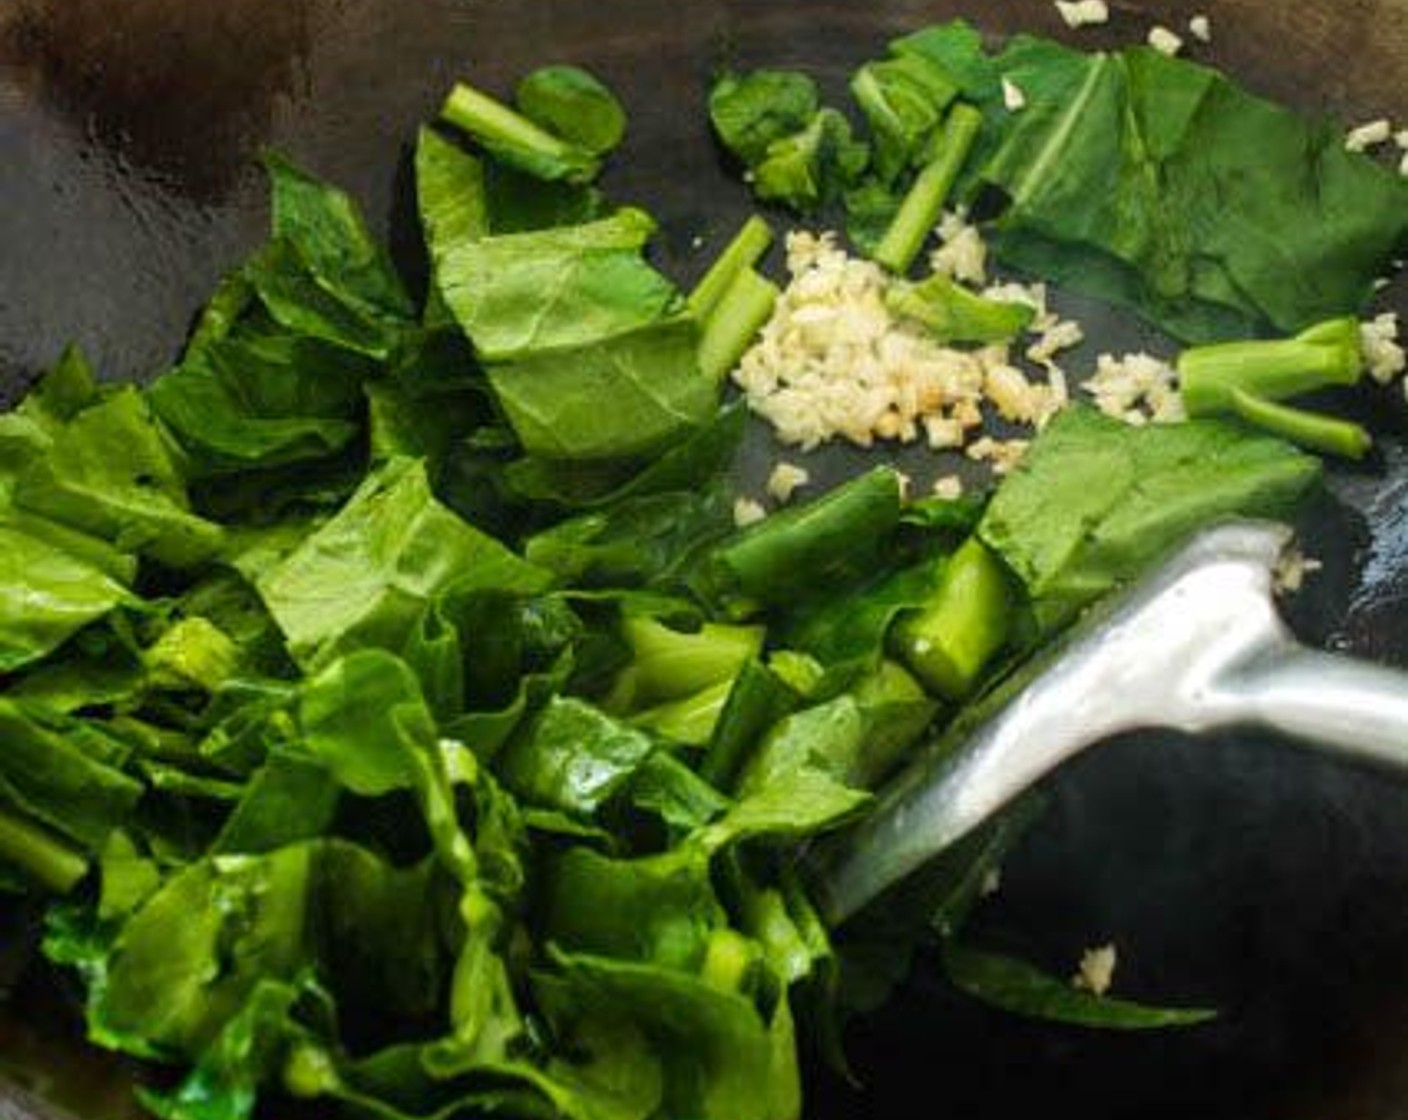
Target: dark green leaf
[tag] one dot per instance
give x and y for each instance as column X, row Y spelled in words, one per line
column 574, row 758
column 1016, row 986
column 813, row 167
column 751, row 111
column 657, row 909
column 364, row 576
column 1096, row 501
column 573, row 104
column 1158, row 184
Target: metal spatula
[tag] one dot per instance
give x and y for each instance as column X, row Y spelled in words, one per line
column 1197, row 645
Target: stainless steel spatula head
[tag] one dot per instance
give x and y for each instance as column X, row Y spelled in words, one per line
column 1197, row 645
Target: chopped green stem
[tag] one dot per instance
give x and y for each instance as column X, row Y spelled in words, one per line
column 506, row 132
column 948, row 642
column 736, row 320
column 757, row 700
column 922, row 206
column 50, row 861
column 954, row 314
column 745, row 250
column 1326, row 354
column 1311, row 430
column 833, row 539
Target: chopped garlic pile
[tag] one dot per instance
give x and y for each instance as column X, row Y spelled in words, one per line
column 1136, row 388
column 833, row 361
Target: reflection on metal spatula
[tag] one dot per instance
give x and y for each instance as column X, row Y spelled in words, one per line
column 1198, row 645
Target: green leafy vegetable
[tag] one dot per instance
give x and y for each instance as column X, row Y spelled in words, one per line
column 1158, row 184
column 573, row 104
column 516, row 140
column 836, row 539
column 752, row 111
column 110, row 472
column 951, row 637
column 519, row 293
column 923, row 203
column 903, row 98
column 574, row 758
column 735, row 321
column 651, row 376
column 1016, row 986
column 812, row 167
column 326, row 228
column 741, row 253
column 361, row 578
column 1095, row 502
column 394, row 717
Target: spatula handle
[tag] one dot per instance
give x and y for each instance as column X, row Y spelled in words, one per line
column 1343, row 706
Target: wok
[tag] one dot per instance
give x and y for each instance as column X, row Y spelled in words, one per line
column 1266, row 883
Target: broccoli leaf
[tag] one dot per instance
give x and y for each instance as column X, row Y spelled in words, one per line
column 110, row 472
column 655, row 909
column 516, row 294
column 811, row 168
column 1016, row 986
column 574, row 758
column 651, row 376
column 903, row 98
column 573, row 104
column 714, row 1047
column 363, row 577
column 1158, row 184
column 262, row 401
column 326, row 227
column 1095, row 502
column 751, row 111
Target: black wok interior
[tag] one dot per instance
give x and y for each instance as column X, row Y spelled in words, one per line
column 1232, row 872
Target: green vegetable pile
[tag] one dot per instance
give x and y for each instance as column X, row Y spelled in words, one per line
column 393, row 714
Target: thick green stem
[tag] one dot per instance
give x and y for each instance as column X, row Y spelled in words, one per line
column 949, row 641
column 515, row 138
column 735, row 321
column 835, row 539
column 47, row 859
column 743, row 252
column 757, row 700
column 922, row 206
column 1310, row 430
column 1326, row 354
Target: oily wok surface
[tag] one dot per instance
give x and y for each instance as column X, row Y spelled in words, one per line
column 1231, row 872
